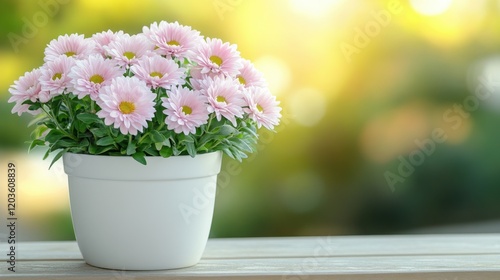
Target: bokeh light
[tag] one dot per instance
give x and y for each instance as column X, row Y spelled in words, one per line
column 431, row 7
column 348, row 119
column 314, row 9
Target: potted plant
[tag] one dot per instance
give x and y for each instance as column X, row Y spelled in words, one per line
column 141, row 122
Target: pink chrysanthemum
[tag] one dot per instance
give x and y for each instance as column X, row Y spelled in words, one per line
column 214, row 56
column 73, row 45
column 249, row 76
column 262, row 107
column 90, row 75
column 225, row 98
column 26, row 88
column 185, row 110
column 54, row 78
column 127, row 103
column 127, row 50
column 158, row 71
column 172, row 39
column 105, row 38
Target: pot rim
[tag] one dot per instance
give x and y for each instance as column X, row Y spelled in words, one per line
column 126, row 168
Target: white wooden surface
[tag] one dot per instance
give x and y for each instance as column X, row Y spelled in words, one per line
column 430, row 257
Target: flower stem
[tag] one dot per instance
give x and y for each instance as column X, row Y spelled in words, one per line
column 142, row 138
column 54, row 119
column 209, row 123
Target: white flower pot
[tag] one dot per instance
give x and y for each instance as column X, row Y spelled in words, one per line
column 135, row 217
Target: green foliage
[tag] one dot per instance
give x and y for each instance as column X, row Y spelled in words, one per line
column 70, row 124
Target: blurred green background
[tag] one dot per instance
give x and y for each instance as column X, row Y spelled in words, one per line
column 363, row 84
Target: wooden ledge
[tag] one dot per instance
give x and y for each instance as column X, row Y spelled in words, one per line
column 444, row 257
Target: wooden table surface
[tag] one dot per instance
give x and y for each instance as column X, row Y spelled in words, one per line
column 430, row 257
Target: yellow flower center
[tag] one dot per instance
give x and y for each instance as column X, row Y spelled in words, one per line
column 242, row 80
column 127, row 107
column 215, row 59
column 260, row 108
column 187, row 110
column 220, row 99
column 129, row 55
column 68, row 54
column 56, row 76
column 173, row 43
column 156, row 74
column 96, row 79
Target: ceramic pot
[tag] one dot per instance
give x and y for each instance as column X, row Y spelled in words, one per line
column 142, row 217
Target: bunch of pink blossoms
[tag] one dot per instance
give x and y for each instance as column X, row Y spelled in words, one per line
column 150, row 87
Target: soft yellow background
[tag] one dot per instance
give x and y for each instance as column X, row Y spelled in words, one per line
column 360, row 81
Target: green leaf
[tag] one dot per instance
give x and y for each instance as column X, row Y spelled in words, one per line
column 99, row 132
column 39, row 120
column 158, row 146
column 77, row 150
column 131, row 149
column 34, row 143
column 119, row 138
column 176, row 151
column 53, row 136
column 250, row 130
column 97, row 150
column 157, row 137
column 34, row 107
column 241, row 144
column 166, row 152
column 115, row 132
column 39, row 131
column 167, row 142
column 50, row 125
column 229, row 153
column 88, row 118
column 183, row 139
column 191, row 149
column 205, row 139
column 80, row 126
column 140, row 157
column 92, row 149
column 106, row 141
column 46, row 155
column 57, row 157
column 227, row 130
column 64, row 143
column 151, row 151
column 102, row 150
column 56, row 105
column 84, row 143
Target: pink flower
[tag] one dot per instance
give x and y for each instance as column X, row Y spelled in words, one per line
column 105, row 38
column 127, row 50
column 249, row 76
column 88, row 76
column 26, row 88
column 158, row 71
column 54, row 78
column 172, row 39
column 225, row 98
column 127, row 103
column 73, row 45
column 262, row 107
column 215, row 57
column 185, row 110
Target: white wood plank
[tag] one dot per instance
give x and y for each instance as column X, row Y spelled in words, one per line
column 303, row 246
column 445, row 257
column 406, row 267
column 353, row 245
